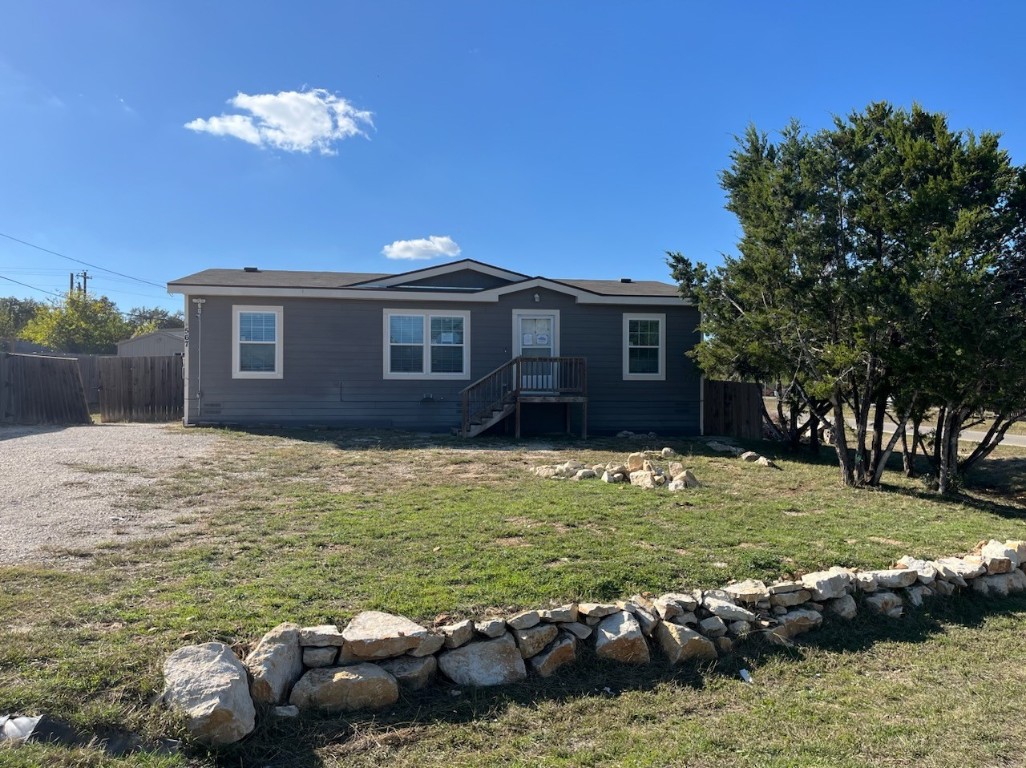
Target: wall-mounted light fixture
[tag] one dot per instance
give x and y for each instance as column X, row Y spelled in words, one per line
column 537, row 298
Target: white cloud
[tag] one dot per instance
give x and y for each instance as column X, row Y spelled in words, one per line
column 433, row 247
column 295, row 121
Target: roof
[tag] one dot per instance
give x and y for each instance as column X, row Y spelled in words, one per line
column 178, row 333
column 276, row 278
column 250, row 282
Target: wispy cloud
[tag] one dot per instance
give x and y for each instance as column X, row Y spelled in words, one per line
column 294, row 121
column 433, row 247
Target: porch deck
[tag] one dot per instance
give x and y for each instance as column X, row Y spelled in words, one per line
column 525, row 380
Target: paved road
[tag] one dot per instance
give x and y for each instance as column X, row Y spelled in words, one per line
column 968, row 436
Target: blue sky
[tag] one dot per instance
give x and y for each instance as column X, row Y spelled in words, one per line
column 570, row 139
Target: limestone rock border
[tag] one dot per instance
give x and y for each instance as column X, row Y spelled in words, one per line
column 365, row 665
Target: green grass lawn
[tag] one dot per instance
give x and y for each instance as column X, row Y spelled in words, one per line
column 313, row 527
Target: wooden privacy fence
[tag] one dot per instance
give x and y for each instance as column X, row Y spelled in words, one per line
column 733, row 408
column 141, row 388
column 41, row 390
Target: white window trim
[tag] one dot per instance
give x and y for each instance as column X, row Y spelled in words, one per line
column 277, row 373
column 425, row 315
column 519, row 313
column 627, row 375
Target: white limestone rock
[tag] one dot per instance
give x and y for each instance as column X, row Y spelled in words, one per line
column 578, row 630
column 790, row 599
column 748, row 591
column 643, row 479
column 619, row 637
column 896, row 578
column 379, row 635
column 275, row 664
column 998, row 558
column 532, row 640
column 560, row 653
column 798, row 621
column 843, row 607
column 484, row 663
column 523, row 620
column 635, row 462
column 597, row 610
column 926, row 571
column 726, row 610
column 209, row 685
column 491, row 628
column 457, row 634
column 682, row 643
column 561, row 615
column 412, row 673
column 321, row 636
column 964, row 568
column 713, row 626
column 827, row 585
column 345, row 689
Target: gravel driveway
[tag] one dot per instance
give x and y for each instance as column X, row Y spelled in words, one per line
column 69, row 487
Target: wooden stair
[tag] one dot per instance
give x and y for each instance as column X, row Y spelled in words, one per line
column 501, row 393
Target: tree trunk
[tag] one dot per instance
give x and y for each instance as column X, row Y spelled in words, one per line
column 991, row 440
column 879, row 419
column 814, row 433
column 947, row 472
column 844, row 460
column 885, row 455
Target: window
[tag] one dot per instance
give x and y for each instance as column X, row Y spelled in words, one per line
column 421, row 345
column 256, row 345
column 644, row 347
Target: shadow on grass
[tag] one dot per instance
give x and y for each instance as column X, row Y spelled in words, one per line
column 299, row 743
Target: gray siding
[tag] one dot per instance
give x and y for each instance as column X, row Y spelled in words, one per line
column 333, row 366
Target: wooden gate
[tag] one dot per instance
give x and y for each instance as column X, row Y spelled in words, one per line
column 141, row 388
column 733, row 408
column 41, row 390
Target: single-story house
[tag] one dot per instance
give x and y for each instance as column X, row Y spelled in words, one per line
column 159, row 343
column 464, row 346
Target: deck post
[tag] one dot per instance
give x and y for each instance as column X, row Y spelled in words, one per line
column 584, row 420
column 518, row 419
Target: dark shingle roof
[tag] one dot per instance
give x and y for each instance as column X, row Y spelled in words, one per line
column 276, row 278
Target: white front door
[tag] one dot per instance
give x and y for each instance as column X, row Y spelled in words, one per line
column 537, row 335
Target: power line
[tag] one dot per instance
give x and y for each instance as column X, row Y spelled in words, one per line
column 26, row 285
column 79, row 261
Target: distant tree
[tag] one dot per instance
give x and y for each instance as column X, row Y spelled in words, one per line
column 15, row 314
column 148, row 319
column 79, row 324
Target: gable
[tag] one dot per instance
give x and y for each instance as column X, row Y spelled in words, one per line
column 463, row 279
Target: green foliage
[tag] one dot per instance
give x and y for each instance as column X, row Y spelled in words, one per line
column 15, row 314
column 149, row 319
column 882, row 258
column 78, row 324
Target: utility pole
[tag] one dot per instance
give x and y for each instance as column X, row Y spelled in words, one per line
column 71, row 283
column 85, row 281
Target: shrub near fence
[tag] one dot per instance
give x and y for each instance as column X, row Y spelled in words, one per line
column 141, row 388
column 41, row 390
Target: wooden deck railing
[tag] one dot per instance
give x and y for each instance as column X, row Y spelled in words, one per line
column 521, row 376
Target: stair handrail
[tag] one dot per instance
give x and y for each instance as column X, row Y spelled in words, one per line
column 490, row 382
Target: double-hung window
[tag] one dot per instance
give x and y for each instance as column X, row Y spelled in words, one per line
column 422, row 344
column 644, row 347
column 256, row 343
